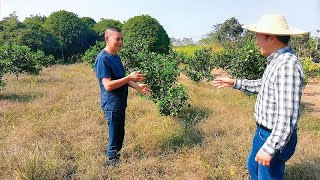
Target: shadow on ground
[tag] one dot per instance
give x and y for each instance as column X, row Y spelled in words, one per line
column 19, row 97
column 309, row 107
column 190, row 135
column 307, row 170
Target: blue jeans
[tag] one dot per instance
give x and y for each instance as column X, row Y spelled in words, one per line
column 116, row 123
column 277, row 164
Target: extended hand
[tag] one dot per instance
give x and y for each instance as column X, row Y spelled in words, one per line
column 136, row 76
column 263, row 158
column 144, row 89
column 223, row 82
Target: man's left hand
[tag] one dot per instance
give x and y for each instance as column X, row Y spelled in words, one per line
column 263, row 158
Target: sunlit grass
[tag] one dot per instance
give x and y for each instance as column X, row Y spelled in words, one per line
column 51, row 127
column 189, row 50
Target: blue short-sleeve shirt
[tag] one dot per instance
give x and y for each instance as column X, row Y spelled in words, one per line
column 110, row 66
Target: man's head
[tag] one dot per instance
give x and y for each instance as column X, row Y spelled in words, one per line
column 269, row 43
column 114, row 40
column 273, row 33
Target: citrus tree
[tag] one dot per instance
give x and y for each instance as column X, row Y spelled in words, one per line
column 146, row 29
column 199, row 66
column 104, row 24
column 17, row 60
column 71, row 31
column 243, row 61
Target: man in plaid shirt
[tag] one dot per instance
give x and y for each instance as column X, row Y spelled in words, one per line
column 277, row 107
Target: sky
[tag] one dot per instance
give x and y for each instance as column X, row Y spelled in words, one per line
column 180, row 18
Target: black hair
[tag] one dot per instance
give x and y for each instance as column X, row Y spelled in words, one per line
column 284, row 39
column 114, row 29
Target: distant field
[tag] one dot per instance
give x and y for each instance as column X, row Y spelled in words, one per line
column 190, row 49
column 51, row 127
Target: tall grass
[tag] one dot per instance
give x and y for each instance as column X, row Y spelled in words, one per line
column 51, row 127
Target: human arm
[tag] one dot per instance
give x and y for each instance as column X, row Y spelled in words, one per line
column 142, row 88
column 250, row 86
column 110, row 85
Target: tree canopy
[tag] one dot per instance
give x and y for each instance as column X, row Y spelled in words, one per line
column 145, row 28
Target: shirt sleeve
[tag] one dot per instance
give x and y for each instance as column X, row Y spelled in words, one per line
column 102, row 68
column 288, row 90
column 248, row 86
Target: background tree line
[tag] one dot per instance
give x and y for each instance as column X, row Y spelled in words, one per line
column 64, row 37
column 61, row 37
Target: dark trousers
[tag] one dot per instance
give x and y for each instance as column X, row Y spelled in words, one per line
column 277, row 165
column 116, row 123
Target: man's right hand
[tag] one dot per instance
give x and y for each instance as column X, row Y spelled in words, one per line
column 223, row 82
column 136, row 76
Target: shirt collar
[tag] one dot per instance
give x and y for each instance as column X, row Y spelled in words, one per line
column 278, row 53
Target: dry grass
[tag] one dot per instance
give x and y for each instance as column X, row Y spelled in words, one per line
column 51, row 127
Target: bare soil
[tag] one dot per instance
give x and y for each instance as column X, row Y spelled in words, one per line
column 311, row 96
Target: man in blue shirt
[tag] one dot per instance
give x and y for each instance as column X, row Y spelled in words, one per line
column 114, row 90
column 277, row 106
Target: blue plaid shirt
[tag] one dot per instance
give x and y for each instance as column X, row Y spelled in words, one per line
column 279, row 91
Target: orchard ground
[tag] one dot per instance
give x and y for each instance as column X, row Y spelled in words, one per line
column 51, row 127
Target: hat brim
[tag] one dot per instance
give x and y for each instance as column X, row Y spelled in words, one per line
column 290, row 31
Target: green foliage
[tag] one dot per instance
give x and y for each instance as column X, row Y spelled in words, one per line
column 159, row 71
column 4, row 66
column 9, row 27
column 146, row 29
column 173, row 100
column 161, row 75
column 38, row 38
column 71, row 31
column 178, row 57
column 200, row 66
column 90, row 55
column 103, row 25
column 241, row 62
column 310, row 69
column 31, row 34
column 301, row 44
column 226, row 32
column 88, row 21
column 20, row 59
column 34, row 21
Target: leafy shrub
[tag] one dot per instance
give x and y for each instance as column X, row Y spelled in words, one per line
column 173, row 101
column 4, row 66
column 178, row 57
column 241, row 62
column 161, row 75
column 200, row 66
column 73, row 33
column 90, row 55
column 20, row 59
column 310, row 69
column 146, row 29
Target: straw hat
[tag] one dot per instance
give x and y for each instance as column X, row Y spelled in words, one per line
column 273, row 24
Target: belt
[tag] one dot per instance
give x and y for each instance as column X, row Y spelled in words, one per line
column 264, row 128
